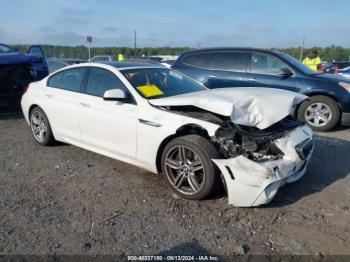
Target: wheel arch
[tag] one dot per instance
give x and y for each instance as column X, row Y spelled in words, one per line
column 320, row 93
column 31, row 109
column 188, row 129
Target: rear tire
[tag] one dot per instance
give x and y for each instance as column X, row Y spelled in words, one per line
column 188, row 167
column 40, row 126
column 321, row 113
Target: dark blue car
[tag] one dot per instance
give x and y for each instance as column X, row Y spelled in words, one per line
column 250, row 67
column 16, row 71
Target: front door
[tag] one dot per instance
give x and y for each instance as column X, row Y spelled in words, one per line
column 39, row 64
column 107, row 126
column 263, row 71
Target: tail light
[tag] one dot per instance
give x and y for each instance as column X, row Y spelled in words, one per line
column 25, row 89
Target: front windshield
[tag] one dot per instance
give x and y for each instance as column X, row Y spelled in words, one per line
column 303, row 68
column 158, row 82
column 4, row 49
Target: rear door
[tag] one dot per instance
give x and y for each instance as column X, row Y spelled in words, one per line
column 197, row 66
column 263, row 71
column 229, row 70
column 39, row 64
column 62, row 97
column 215, row 69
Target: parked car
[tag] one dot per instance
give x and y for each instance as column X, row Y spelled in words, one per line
column 163, row 121
column 168, row 62
column 54, row 64
column 250, row 67
column 143, row 60
column 16, row 71
column 165, row 60
column 341, row 65
column 345, row 72
column 160, row 58
column 103, row 58
column 326, row 67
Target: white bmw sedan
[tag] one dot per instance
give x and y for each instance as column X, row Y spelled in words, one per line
column 164, row 122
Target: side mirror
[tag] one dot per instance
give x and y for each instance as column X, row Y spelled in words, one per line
column 285, row 72
column 114, row 95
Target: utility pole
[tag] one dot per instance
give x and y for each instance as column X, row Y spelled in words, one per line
column 302, row 49
column 89, row 51
column 135, row 44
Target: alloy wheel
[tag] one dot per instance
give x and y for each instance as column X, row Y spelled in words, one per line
column 185, row 170
column 39, row 126
column 318, row 114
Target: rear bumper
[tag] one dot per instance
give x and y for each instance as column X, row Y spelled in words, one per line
column 345, row 119
column 25, row 108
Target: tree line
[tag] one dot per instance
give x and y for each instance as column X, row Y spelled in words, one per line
column 330, row 53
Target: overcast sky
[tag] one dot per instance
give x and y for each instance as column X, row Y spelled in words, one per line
column 193, row 23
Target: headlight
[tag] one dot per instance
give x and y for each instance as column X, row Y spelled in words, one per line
column 345, row 85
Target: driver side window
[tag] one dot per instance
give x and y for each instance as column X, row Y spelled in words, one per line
column 101, row 80
column 266, row 64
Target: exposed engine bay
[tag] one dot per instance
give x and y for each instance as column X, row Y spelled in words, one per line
column 257, row 145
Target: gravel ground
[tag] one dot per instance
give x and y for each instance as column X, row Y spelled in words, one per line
column 65, row 200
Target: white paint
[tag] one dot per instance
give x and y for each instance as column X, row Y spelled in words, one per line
column 249, row 106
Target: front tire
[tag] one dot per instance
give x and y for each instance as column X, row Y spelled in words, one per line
column 321, row 113
column 188, row 167
column 40, row 126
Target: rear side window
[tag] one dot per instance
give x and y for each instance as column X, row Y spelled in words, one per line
column 231, row 61
column 101, row 80
column 202, row 60
column 68, row 79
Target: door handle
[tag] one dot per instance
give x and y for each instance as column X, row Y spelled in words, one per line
column 84, row 104
column 251, row 79
column 150, row 123
column 212, row 76
column 49, row 96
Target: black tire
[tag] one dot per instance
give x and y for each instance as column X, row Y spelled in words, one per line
column 204, row 152
column 334, row 116
column 48, row 138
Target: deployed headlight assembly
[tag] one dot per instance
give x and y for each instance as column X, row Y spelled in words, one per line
column 344, row 85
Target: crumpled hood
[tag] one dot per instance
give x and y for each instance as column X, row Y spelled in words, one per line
column 248, row 106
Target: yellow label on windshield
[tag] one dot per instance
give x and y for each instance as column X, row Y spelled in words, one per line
column 150, row 90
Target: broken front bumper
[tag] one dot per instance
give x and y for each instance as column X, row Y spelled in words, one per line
column 252, row 184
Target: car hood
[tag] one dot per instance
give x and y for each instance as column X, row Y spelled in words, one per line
column 249, row 106
column 330, row 77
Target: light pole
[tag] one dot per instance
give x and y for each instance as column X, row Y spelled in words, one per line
column 89, row 40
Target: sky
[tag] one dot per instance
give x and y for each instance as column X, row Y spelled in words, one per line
column 176, row 23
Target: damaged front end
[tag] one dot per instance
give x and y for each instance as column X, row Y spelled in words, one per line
column 262, row 145
column 257, row 162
